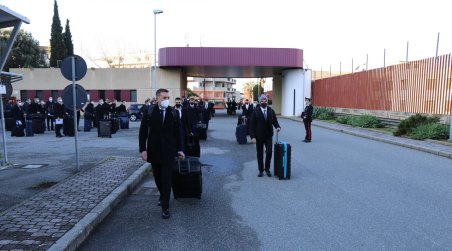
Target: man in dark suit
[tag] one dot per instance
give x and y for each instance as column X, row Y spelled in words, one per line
column 247, row 110
column 193, row 114
column 307, row 119
column 49, row 111
column 18, row 113
column 59, row 112
column 261, row 132
column 159, row 144
column 184, row 115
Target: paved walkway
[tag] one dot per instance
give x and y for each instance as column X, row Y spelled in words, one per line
column 425, row 146
column 62, row 216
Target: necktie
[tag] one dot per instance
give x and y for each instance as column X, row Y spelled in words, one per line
column 265, row 114
column 162, row 113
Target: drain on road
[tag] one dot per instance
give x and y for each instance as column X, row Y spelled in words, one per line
column 33, row 166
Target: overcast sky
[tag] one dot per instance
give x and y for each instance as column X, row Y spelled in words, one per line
column 329, row 31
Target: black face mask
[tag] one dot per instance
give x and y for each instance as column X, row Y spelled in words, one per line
column 178, row 105
column 263, row 105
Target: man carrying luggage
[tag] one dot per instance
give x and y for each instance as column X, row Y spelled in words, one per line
column 307, row 119
column 59, row 112
column 261, row 132
column 159, row 143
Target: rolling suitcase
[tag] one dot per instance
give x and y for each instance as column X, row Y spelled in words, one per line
column 87, row 125
column 187, row 178
column 124, row 122
column 18, row 130
column 104, row 129
column 241, row 131
column 282, row 160
column 201, row 130
column 192, row 147
column 68, row 127
column 38, row 126
column 29, row 128
column 10, row 123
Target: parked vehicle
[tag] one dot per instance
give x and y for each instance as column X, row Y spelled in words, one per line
column 134, row 112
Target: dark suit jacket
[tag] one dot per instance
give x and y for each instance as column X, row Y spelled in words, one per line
column 247, row 112
column 18, row 113
column 308, row 110
column 59, row 110
column 259, row 128
column 160, row 139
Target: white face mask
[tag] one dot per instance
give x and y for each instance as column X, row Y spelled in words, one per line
column 50, row 99
column 165, row 103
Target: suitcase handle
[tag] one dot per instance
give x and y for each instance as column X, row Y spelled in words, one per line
column 178, row 165
column 277, row 134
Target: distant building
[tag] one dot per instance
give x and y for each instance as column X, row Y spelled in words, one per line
column 218, row 89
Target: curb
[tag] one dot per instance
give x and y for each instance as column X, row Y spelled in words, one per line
column 407, row 145
column 74, row 237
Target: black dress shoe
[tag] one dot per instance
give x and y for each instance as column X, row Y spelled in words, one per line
column 260, row 174
column 166, row 214
column 269, row 174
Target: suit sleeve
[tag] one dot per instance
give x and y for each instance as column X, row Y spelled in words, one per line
column 252, row 125
column 176, row 130
column 275, row 120
column 144, row 133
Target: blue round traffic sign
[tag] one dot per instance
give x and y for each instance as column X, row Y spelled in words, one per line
column 80, row 67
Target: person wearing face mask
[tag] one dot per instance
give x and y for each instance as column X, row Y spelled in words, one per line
column 159, row 143
column 307, row 119
column 99, row 112
column 49, row 110
column 184, row 115
column 193, row 114
column 262, row 121
column 247, row 110
column 58, row 113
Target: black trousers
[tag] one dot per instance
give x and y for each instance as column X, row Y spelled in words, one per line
column 163, row 177
column 50, row 122
column 267, row 142
column 58, row 130
column 307, row 127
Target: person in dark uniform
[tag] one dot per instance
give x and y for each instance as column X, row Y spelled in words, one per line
column 184, row 115
column 26, row 106
column 262, row 122
column 59, row 112
column 89, row 111
column 106, row 108
column 49, row 114
column 159, row 144
column 18, row 113
column 193, row 114
column 121, row 109
column 99, row 111
column 307, row 119
column 35, row 107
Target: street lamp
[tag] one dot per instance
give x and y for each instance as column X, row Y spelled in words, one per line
column 156, row 12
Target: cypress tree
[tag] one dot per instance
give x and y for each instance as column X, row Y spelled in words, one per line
column 57, row 47
column 68, row 40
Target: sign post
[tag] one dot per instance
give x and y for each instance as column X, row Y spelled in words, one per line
column 74, row 68
column 5, row 152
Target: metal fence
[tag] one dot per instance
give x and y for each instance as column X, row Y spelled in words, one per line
column 422, row 86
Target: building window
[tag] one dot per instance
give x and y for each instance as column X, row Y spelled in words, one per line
column 40, row 94
column 118, row 95
column 54, row 94
column 133, row 96
column 24, row 95
column 102, row 94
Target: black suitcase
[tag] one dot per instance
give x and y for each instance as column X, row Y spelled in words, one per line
column 124, row 122
column 68, row 126
column 282, row 160
column 38, row 126
column 10, row 123
column 18, row 131
column 201, row 130
column 241, row 131
column 29, row 128
column 187, row 178
column 104, row 129
column 87, row 125
column 192, row 147
column 114, row 124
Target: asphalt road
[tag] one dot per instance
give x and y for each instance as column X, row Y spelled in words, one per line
column 346, row 193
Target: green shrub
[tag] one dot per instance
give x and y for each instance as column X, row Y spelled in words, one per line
column 344, row 119
column 323, row 113
column 430, row 131
column 365, row 121
column 407, row 125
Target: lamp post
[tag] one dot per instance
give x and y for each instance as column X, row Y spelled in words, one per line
column 156, row 12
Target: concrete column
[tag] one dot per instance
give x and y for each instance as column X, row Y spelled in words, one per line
column 277, row 92
column 296, row 85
